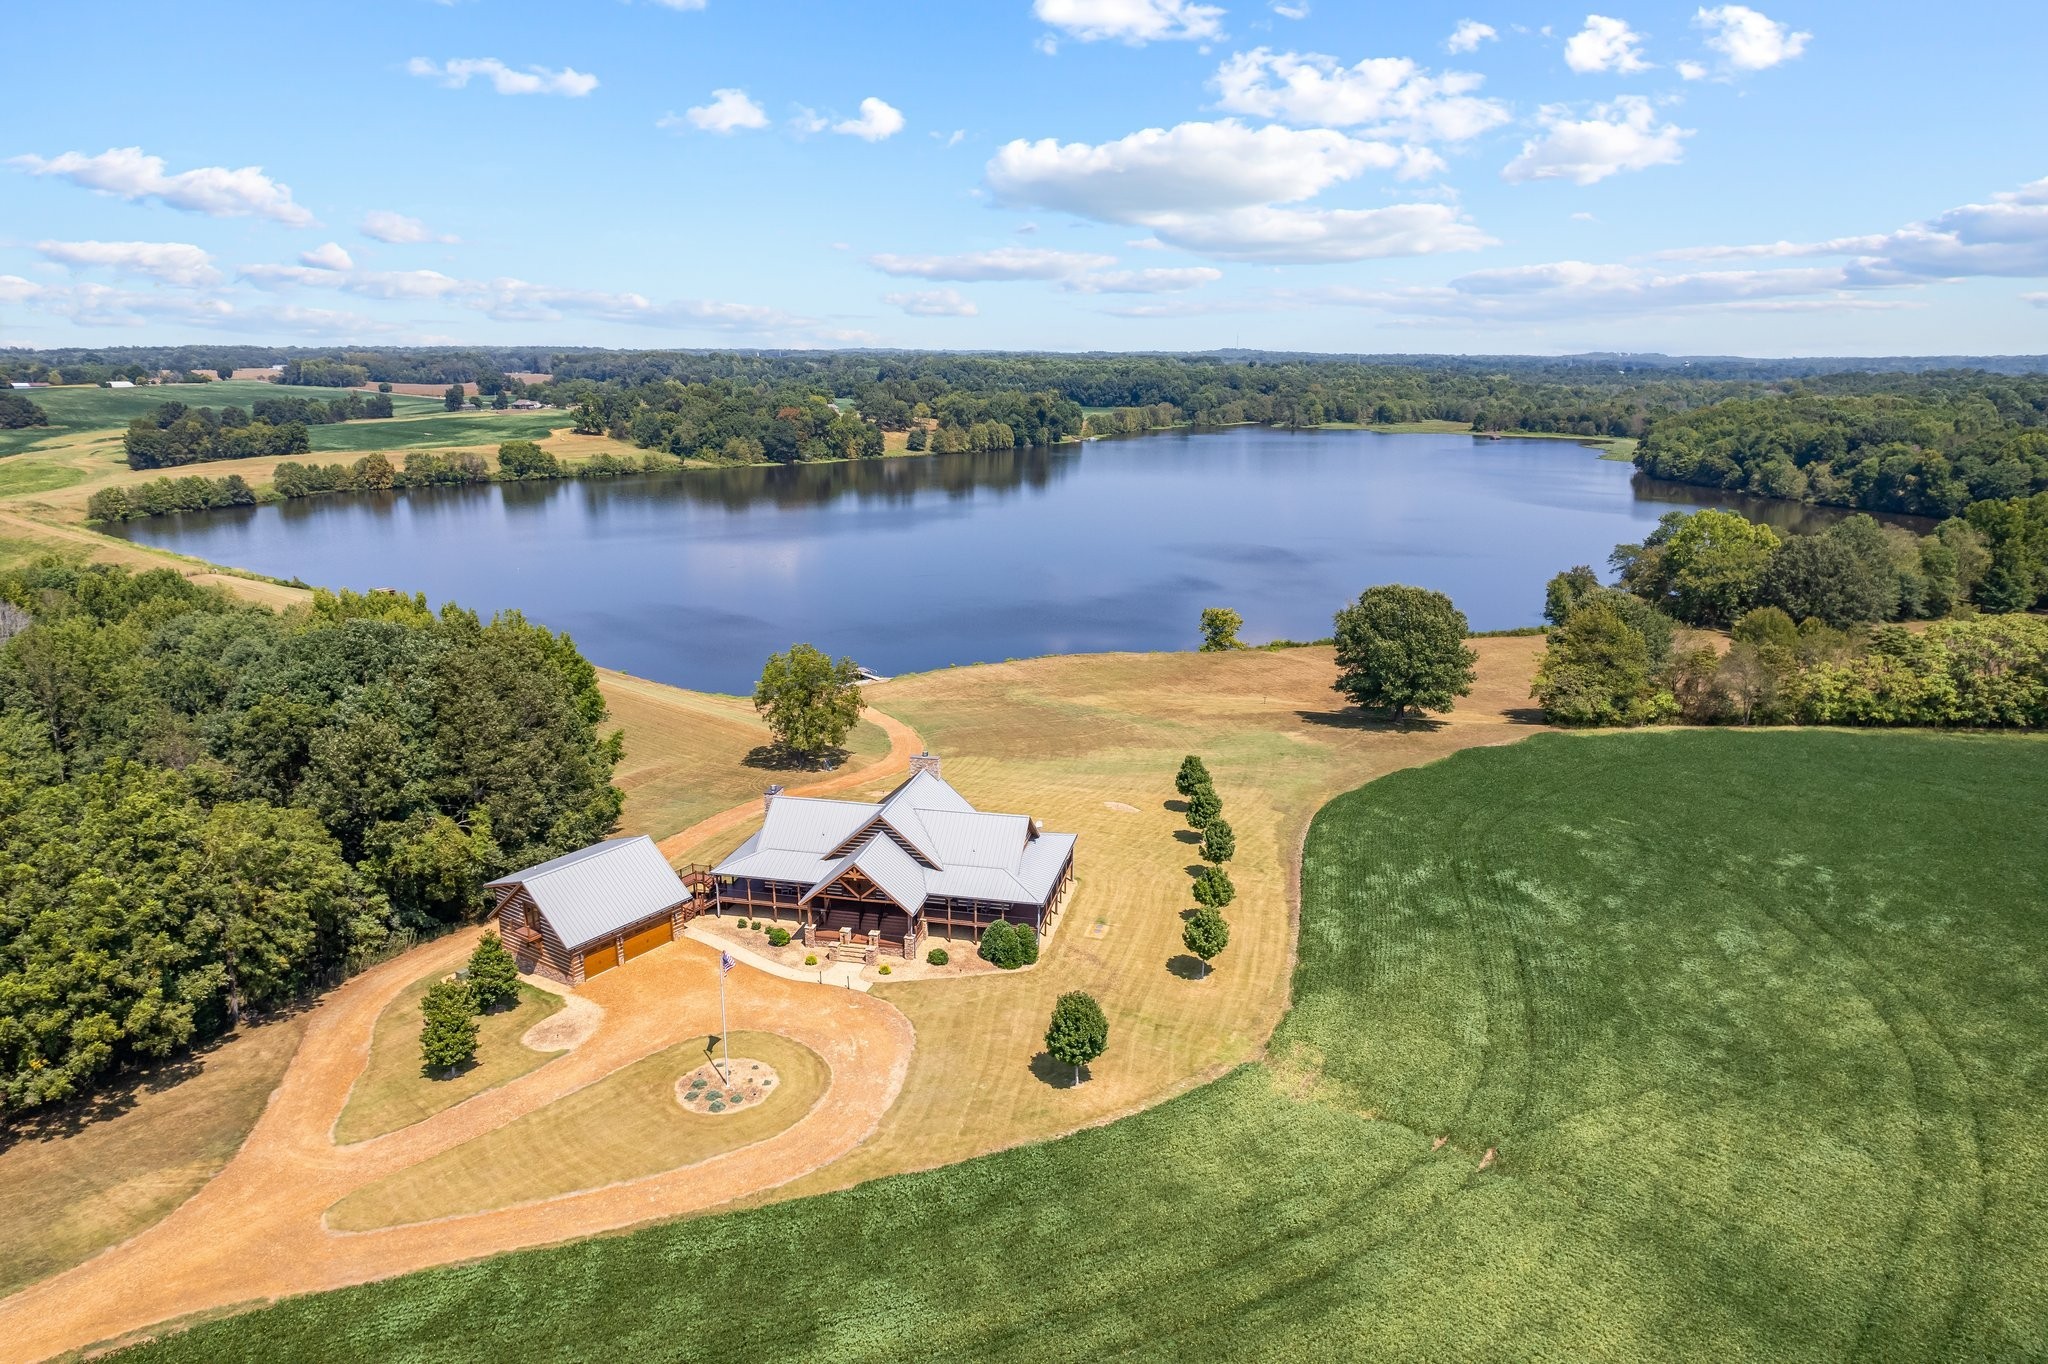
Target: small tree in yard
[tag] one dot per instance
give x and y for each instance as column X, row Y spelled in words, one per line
column 1193, row 773
column 1219, row 842
column 493, row 975
column 1213, row 888
column 447, row 1028
column 1027, row 944
column 1403, row 647
column 810, row 703
column 1204, row 805
column 1220, row 625
column 1079, row 1031
column 1205, row 935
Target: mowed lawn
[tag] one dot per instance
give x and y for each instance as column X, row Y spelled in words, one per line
column 1089, row 745
column 393, row 1091
column 81, row 1179
column 691, row 754
column 626, row 1126
column 1750, row 1023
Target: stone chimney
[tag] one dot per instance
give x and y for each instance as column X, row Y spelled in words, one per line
column 768, row 797
column 925, row 762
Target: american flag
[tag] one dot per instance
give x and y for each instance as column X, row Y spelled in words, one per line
column 725, row 962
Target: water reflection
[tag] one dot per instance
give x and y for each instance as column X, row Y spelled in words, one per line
column 915, row 563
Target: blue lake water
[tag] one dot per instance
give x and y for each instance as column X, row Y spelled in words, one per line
column 914, row 563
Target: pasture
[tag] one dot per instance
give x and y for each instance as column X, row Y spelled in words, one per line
column 1694, row 1045
column 82, row 408
column 445, row 430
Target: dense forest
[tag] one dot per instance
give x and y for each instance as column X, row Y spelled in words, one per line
column 208, row 808
column 1811, row 638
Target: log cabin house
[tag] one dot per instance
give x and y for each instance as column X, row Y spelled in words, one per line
column 869, row 880
column 583, row 913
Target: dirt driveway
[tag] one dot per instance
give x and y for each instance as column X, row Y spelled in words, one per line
column 255, row 1231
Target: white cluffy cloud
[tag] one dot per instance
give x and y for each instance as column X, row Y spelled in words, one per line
column 1001, row 263
column 2006, row 238
column 534, row 80
column 1747, row 40
column 1161, row 281
column 1605, row 44
column 216, row 191
column 878, row 120
column 329, row 256
column 1215, row 188
column 1468, row 35
column 1132, row 21
column 1392, row 94
column 385, row 226
column 177, row 263
column 1620, row 136
column 729, row 111
column 933, row 303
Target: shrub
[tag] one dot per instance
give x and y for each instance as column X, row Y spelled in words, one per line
column 778, row 937
column 938, row 956
column 493, row 975
column 883, row 969
column 811, row 960
column 999, row 946
column 1027, row 944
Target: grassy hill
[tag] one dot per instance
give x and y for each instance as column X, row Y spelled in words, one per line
column 1692, row 1045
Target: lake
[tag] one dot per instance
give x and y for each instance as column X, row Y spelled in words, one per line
column 918, row 562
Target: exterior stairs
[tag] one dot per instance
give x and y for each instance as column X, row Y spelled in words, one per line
column 845, row 950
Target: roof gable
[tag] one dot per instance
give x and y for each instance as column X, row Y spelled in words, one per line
column 598, row 890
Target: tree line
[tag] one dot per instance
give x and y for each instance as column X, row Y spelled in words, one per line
column 207, row 808
column 1811, row 620
column 173, row 433
column 18, row 413
column 519, row 461
column 1928, row 447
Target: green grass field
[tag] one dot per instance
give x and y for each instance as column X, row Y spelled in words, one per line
column 1749, row 1024
column 93, row 409
column 437, row 432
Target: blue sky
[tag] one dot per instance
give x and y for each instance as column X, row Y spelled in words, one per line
column 1794, row 178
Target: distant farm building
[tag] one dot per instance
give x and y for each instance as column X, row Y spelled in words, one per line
column 877, row 879
column 120, row 383
column 583, row 913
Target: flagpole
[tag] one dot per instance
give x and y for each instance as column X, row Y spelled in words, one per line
column 724, row 1037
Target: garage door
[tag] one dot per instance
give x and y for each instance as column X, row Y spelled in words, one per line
column 598, row 960
column 649, row 938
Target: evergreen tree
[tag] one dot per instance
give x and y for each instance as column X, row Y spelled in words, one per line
column 447, row 1028
column 493, row 975
column 1027, row 944
column 1213, row 888
column 1079, row 1032
column 1205, row 935
column 1219, row 841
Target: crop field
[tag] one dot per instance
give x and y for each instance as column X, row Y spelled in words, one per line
column 446, row 430
column 1693, row 1045
column 80, row 408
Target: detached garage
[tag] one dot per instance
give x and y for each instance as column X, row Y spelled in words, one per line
column 588, row 911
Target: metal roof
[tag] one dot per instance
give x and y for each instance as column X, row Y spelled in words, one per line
column 971, row 855
column 595, row 891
